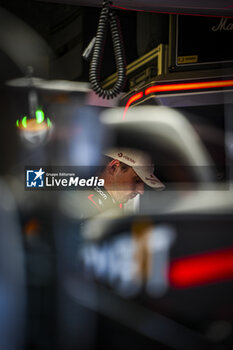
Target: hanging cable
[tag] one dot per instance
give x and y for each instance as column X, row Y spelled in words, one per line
column 97, row 46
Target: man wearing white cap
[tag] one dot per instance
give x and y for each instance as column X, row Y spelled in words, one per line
column 125, row 175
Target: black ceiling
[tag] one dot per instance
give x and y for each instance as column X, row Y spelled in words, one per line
column 198, row 7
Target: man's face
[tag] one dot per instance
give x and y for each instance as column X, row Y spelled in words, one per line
column 126, row 184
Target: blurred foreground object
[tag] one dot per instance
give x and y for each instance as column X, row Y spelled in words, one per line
column 12, row 275
column 163, row 129
column 23, row 45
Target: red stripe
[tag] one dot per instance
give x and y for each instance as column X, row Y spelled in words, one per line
column 202, row 269
column 131, row 100
column 178, row 87
column 189, row 86
column 92, row 200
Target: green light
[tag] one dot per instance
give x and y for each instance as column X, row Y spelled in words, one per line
column 17, row 123
column 24, row 121
column 49, row 123
column 39, row 116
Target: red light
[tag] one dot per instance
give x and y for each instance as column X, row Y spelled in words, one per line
column 189, row 86
column 201, row 269
column 178, row 87
column 131, row 100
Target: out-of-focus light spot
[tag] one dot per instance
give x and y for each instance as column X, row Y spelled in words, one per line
column 24, row 121
column 202, row 269
column 49, row 123
column 32, row 133
column 34, row 124
column 39, row 116
column 31, row 125
column 32, row 227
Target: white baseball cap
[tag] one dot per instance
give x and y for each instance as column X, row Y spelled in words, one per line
column 140, row 162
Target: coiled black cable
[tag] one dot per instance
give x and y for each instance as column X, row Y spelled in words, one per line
column 107, row 16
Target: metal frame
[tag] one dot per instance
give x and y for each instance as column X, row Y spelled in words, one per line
column 157, row 56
